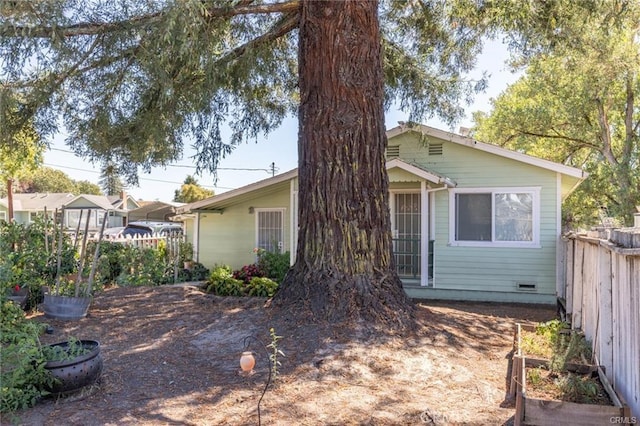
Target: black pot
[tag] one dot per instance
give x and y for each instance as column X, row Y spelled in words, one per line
column 75, row 373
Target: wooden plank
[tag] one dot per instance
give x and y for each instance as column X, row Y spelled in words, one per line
column 569, row 278
column 574, row 368
column 520, row 392
column 547, row 412
column 633, row 391
column 605, row 314
column 576, row 308
column 513, row 384
column 607, row 386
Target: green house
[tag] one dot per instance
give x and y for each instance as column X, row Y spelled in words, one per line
column 470, row 220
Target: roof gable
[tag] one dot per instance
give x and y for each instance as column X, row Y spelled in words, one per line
column 485, row 147
column 87, row 201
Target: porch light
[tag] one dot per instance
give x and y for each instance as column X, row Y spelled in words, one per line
column 247, row 362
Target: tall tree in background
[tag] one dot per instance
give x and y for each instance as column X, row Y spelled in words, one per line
column 46, row 179
column 135, row 80
column 110, row 180
column 21, row 147
column 191, row 191
column 577, row 101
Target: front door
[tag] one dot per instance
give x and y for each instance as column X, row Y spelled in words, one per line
column 406, row 225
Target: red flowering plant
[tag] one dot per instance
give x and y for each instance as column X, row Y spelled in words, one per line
column 247, row 272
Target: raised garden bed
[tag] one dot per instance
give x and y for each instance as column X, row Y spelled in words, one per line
column 547, row 392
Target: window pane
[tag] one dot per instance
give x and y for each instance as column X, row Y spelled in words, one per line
column 514, row 217
column 473, row 217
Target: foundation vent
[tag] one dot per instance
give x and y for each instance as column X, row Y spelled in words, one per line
column 527, row 286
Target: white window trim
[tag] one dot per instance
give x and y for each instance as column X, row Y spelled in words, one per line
column 533, row 190
column 3, row 216
column 283, row 211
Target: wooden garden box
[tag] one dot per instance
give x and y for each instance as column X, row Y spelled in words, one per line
column 535, row 411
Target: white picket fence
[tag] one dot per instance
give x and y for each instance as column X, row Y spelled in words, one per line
column 602, row 288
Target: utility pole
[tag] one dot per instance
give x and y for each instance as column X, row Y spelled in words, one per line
column 273, row 169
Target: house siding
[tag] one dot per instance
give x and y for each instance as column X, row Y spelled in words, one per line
column 489, row 271
column 229, row 238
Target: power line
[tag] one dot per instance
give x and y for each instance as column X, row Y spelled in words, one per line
column 147, row 179
column 189, row 166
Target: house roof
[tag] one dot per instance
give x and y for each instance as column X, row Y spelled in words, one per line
column 100, row 201
column 155, row 209
column 486, row 147
column 227, row 198
column 119, row 203
column 421, row 172
column 38, row 201
column 218, row 201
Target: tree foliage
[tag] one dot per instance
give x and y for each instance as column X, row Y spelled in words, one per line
column 109, row 180
column 21, row 147
column 133, row 82
column 191, row 191
column 577, row 101
column 46, row 179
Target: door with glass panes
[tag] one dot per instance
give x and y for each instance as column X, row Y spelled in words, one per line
column 406, row 222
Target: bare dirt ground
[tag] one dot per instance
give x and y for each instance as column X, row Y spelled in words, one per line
column 171, row 357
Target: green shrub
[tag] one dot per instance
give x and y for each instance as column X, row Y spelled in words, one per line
column 262, row 287
column 199, row 272
column 274, row 265
column 27, row 258
column 145, row 267
column 110, row 262
column 222, row 283
column 23, row 376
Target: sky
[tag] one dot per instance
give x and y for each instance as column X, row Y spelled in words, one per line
column 278, row 148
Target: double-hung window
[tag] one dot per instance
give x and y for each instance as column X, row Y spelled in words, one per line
column 502, row 217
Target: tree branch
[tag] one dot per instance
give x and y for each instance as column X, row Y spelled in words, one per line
column 94, row 28
column 605, row 134
column 280, row 28
column 581, row 142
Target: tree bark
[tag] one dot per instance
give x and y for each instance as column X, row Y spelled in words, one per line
column 344, row 269
column 9, row 200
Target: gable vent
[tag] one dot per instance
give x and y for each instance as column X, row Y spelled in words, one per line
column 393, row 151
column 435, row 149
column 526, row 286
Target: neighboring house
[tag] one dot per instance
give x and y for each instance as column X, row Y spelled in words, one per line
column 122, row 204
column 27, row 206
column 470, row 220
column 154, row 210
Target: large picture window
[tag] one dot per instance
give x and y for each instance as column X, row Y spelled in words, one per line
column 495, row 217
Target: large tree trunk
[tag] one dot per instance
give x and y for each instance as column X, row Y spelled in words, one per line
column 344, row 270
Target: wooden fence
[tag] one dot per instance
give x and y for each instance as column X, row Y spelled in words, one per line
column 171, row 242
column 602, row 291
